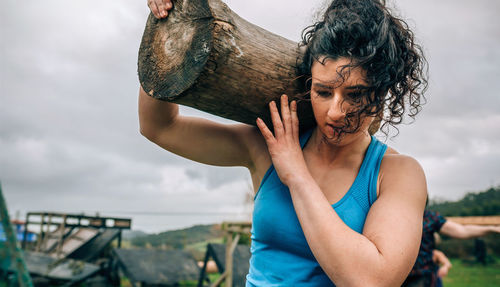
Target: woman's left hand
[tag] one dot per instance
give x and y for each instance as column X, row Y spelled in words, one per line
column 284, row 146
column 443, row 271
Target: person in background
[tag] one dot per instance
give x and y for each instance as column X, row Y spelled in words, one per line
column 425, row 271
column 444, row 264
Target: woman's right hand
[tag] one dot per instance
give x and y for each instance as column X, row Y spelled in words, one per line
column 160, row 8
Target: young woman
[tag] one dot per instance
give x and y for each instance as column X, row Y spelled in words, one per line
column 333, row 205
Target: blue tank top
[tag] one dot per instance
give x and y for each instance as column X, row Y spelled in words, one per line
column 280, row 253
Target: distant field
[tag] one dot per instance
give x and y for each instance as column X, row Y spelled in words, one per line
column 473, row 275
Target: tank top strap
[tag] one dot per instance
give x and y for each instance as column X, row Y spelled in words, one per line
column 271, row 172
column 371, row 166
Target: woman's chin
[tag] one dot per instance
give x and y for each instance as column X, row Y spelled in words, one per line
column 331, row 133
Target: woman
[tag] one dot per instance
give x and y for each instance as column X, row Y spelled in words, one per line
column 333, row 205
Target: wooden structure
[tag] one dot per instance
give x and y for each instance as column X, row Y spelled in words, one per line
column 205, row 56
column 477, row 220
column 225, row 256
column 63, row 234
column 68, row 246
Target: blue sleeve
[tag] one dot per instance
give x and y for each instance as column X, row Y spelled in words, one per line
column 439, row 221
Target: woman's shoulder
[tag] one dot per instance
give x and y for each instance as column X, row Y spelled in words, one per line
column 400, row 170
column 399, row 163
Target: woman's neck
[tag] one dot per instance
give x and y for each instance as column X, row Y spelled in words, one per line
column 329, row 152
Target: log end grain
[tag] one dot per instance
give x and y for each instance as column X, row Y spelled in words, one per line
column 172, row 55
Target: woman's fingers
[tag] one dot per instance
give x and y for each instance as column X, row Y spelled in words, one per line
column 276, row 119
column 285, row 113
column 295, row 120
column 168, row 4
column 264, row 130
column 154, row 8
column 284, row 125
column 160, row 7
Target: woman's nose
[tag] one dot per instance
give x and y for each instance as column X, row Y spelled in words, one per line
column 336, row 111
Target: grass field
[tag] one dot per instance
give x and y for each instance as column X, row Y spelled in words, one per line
column 473, row 275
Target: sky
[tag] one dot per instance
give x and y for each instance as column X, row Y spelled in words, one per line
column 69, row 131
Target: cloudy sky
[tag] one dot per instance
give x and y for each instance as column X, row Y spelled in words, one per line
column 69, row 134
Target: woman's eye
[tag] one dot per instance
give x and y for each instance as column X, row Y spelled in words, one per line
column 354, row 97
column 323, row 94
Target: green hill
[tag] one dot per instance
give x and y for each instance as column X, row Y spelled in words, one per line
column 472, row 204
column 179, row 239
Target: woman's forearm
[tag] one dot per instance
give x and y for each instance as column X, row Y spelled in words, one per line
column 458, row 230
column 472, row 231
column 340, row 251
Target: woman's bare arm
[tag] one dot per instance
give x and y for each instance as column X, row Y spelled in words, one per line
column 199, row 139
column 458, row 230
column 388, row 246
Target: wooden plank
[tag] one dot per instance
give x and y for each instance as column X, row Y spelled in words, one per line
column 77, row 239
column 52, row 239
column 92, row 221
column 91, row 249
column 477, row 220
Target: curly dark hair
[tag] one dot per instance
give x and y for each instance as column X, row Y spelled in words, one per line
column 366, row 33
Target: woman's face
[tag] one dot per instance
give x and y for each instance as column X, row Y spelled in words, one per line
column 333, row 96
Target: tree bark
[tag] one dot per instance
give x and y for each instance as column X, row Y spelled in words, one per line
column 205, row 56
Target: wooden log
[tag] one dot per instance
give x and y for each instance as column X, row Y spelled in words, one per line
column 205, row 56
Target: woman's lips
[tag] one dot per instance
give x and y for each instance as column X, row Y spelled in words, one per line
column 332, row 130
